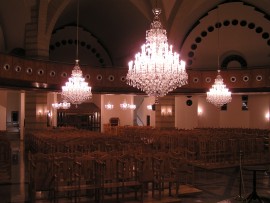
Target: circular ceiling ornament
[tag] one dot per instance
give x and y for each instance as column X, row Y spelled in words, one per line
column 18, row 68
column 245, row 78
column 233, row 79
column 195, row 80
column 111, row 78
column 87, row 76
column 259, row 78
column 208, row 79
column 64, row 75
column 6, row 66
column 99, row 77
column 52, row 74
column 29, row 71
column 40, row 72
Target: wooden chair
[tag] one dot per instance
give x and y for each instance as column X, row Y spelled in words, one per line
column 41, row 176
column 66, row 178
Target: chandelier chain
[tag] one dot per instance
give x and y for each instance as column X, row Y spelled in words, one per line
column 77, row 30
column 218, row 93
column 76, row 90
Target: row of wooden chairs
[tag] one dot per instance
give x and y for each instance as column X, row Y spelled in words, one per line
column 100, row 175
column 5, row 158
column 203, row 146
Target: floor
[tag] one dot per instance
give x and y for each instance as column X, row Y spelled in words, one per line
column 216, row 186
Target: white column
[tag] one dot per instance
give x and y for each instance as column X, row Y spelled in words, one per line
column 22, row 115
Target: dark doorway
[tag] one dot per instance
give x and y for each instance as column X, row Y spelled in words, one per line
column 148, row 120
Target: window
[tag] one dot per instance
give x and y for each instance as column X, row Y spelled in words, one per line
column 244, row 103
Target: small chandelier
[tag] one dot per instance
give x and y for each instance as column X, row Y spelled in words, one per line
column 61, row 105
column 132, row 106
column 76, row 90
column 219, row 93
column 109, row 106
column 156, row 70
column 124, row 105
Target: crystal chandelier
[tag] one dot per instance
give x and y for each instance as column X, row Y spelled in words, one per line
column 156, row 70
column 132, row 106
column 124, row 105
column 109, row 106
column 76, row 90
column 219, row 93
column 61, row 105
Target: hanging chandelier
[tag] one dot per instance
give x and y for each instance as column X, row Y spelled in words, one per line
column 76, row 90
column 219, row 93
column 156, row 70
column 109, row 106
column 61, row 105
column 124, row 105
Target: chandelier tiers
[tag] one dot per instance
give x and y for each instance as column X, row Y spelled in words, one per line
column 156, row 70
column 219, row 94
column 76, row 90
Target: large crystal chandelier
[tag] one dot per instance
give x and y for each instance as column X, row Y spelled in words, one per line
column 156, row 70
column 76, row 90
column 218, row 94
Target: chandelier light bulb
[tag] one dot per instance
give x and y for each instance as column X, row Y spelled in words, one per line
column 156, row 70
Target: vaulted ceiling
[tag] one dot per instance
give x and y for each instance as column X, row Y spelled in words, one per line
column 112, row 31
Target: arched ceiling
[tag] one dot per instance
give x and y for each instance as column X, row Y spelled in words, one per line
column 119, row 27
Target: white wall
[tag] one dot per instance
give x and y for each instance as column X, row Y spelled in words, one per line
column 235, row 117
column 186, row 116
column 209, row 116
column 258, row 108
column 22, row 114
column 125, row 116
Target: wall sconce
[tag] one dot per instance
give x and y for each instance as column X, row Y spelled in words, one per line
column 267, row 116
column 39, row 113
column 166, row 110
column 200, row 111
column 149, row 107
